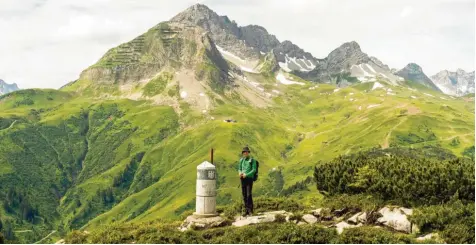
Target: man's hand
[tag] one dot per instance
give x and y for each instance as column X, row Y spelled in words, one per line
column 242, row 175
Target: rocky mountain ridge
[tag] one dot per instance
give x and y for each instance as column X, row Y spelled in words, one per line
column 414, row 72
column 458, row 83
column 247, row 42
column 7, row 88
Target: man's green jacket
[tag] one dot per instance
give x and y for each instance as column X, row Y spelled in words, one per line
column 247, row 166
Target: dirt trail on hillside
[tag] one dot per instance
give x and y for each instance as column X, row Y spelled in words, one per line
column 386, row 144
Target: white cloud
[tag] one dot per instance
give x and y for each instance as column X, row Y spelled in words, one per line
column 47, row 43
column 406, row 11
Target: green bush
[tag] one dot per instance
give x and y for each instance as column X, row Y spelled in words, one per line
column 455, row 219
column 76, row 237
column 371, row 235
column 458, row 234
column 262, row 204
column 413, row 179
column 160, row 234
column 353, row 203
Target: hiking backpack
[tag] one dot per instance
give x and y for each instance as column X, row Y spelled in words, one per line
column 255, row 178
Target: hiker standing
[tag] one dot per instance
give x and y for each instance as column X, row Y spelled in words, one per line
column 248, row 171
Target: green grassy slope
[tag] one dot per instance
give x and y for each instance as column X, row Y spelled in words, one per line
column 104, row 161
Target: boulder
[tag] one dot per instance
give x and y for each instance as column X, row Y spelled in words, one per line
column 396, row 218
column 301, row 223
column 344, row 225
column 310, row 219
column 358, row 218
column 197, row 222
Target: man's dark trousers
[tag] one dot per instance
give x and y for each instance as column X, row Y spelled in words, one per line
column 246, row 189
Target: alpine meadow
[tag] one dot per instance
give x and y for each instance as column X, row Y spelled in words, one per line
column 112, row 156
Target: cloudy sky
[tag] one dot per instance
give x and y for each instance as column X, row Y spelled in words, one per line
column 47, row 43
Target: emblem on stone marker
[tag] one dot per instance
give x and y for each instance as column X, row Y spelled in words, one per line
column 211, row 174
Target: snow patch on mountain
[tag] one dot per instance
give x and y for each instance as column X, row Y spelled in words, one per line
column 282, row 79
column 293, row 63
column 377, row 85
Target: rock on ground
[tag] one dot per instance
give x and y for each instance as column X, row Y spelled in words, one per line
column 396, row 218
column 262, row 218
column 358, row 218
column 344, row 225
column 310, row 219
column 201, row 223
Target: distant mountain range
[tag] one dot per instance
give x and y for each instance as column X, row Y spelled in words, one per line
column 457, row 83
column 7, row 88
column 344, row 65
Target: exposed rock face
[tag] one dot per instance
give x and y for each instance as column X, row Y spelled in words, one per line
column 396, row 218
column 414, row 72
column 246, row 42
column 291, row 57
column 7, row 88
column 457, row 83
column 345, row 56
column 168, row 44
column 224, row 32
column 257, row 37
column 347, row 64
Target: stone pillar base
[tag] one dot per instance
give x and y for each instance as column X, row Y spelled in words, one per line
column 195, row 215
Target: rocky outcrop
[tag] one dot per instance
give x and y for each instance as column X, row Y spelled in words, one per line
column 224, row 32
column 357, row 218
column 414, row 72
column 396, row 218
column 344, row 225
column 457, row 83
column 167, row 45
column 246, row 42
column 291, row 57
column 392, row 217
column 347, row 64
column 258, row 38
column 7, row 88
column 196, row 222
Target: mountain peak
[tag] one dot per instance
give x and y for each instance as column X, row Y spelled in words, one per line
column 352, row 45
column 414, row 72
column 457, row 83
column 199, row 8
column 414, row 68
column 196, row 13
column 7, row 88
